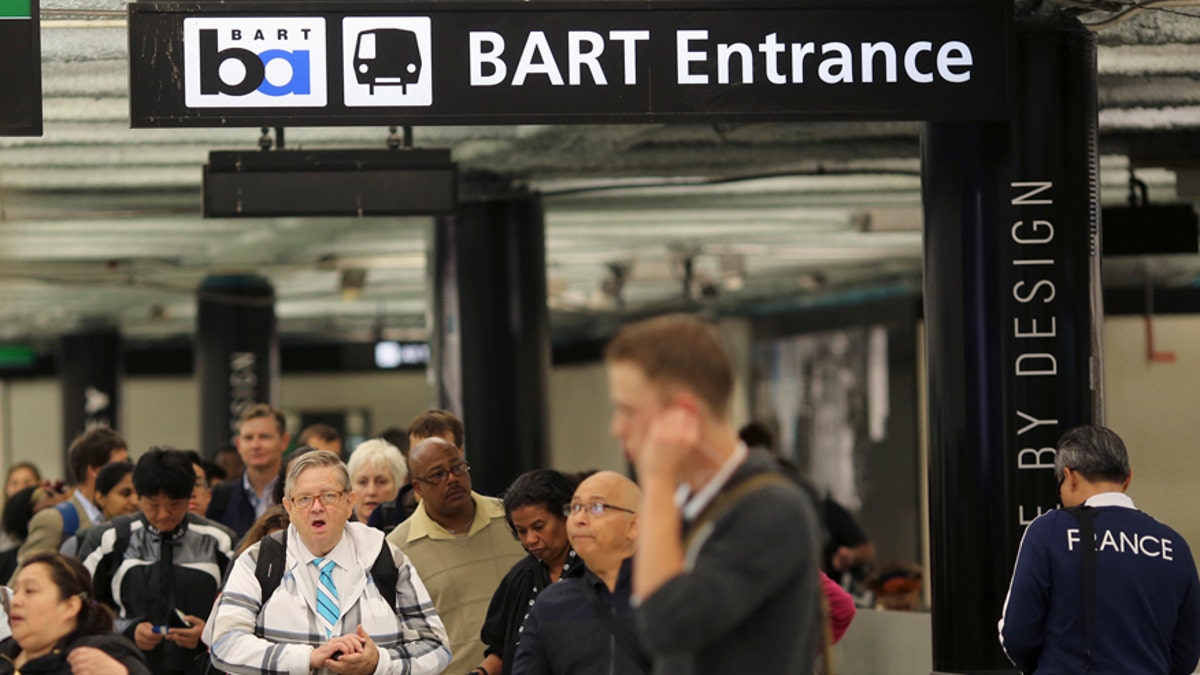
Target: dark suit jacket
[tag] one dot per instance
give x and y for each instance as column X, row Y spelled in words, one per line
column 231, row 507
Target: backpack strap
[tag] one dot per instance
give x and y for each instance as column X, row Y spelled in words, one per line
column 385, row 574
column 725, row 500
column 272, row 558
column 1086, row 515
column 620, row 631
column 70, row 519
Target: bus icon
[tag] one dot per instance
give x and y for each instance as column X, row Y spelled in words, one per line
column 387, row 57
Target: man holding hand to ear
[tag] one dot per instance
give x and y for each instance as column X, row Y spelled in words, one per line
column 738, row 590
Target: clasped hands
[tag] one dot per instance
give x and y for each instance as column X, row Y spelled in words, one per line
column 356, row 654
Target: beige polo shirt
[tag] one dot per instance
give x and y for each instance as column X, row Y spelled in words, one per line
column 461, row 574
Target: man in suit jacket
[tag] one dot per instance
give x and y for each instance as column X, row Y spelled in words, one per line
column 261, row 439
column 89, row 452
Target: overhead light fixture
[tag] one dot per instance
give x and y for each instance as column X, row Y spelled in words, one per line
column 613, row 283
column 352, row 283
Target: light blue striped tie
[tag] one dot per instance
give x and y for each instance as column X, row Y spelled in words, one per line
column 327, row 596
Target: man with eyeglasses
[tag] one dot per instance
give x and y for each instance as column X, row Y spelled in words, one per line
column 201, row 495
column 160, row 568
column 725, row 579
column 458, row 541
column 327, row 614
column 584, row 625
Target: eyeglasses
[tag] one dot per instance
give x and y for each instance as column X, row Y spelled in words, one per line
column 328, row 500
column 438, row 477
column 594, row 508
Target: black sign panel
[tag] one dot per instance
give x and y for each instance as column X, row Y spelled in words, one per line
column 212, row 63
column 20, row 69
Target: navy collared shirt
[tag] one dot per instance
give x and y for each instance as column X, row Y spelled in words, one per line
column 564, row 635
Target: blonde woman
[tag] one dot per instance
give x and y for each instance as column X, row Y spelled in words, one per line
column 377, row 472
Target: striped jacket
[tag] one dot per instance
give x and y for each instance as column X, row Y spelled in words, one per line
column 246, row 637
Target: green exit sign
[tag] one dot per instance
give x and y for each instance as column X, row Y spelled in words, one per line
column 16, row 356
column 14, row 9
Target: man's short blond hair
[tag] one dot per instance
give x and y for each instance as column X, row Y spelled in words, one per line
column 679, row 350
column 262, row 410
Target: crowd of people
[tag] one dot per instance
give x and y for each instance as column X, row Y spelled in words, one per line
column 391, row 563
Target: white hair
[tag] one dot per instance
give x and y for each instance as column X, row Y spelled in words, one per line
column 378, row 454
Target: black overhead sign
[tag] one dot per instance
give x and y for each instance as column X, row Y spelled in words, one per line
column 20, row 69
column 215, row 63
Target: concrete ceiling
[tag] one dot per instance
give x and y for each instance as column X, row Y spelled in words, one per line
column 100, row 222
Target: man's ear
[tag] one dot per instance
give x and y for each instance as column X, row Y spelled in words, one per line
column 1128, row 479
column 686, row 400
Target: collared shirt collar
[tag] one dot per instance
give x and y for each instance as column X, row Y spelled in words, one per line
column 1110, row 499
column 692, row 506
column 256, row 500
column 486, row 510
column 342, row 553
column 93, row 512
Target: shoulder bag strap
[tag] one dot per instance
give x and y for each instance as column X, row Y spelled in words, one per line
column 1087, row 535
column 725, row 500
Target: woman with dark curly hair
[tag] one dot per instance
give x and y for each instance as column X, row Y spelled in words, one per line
column 59, row 628
column 533, row 507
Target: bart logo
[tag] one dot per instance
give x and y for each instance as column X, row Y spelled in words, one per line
column 254, row 62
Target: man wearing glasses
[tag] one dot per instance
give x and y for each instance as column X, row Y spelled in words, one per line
column 458, row 541
column 326, row 615
column 160, row 568
column 585, row 626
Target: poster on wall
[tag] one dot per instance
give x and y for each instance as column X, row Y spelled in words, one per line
column 826, row 394
column 843, row 406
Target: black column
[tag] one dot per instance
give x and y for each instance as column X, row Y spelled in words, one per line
column 237, row 353
column 90, row 370
column 1012, row 319
column 490, row 334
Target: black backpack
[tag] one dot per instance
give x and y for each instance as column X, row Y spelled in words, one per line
column 272, row 557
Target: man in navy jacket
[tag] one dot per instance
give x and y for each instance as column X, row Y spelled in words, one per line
column 262, row 437
column 1145, row 593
